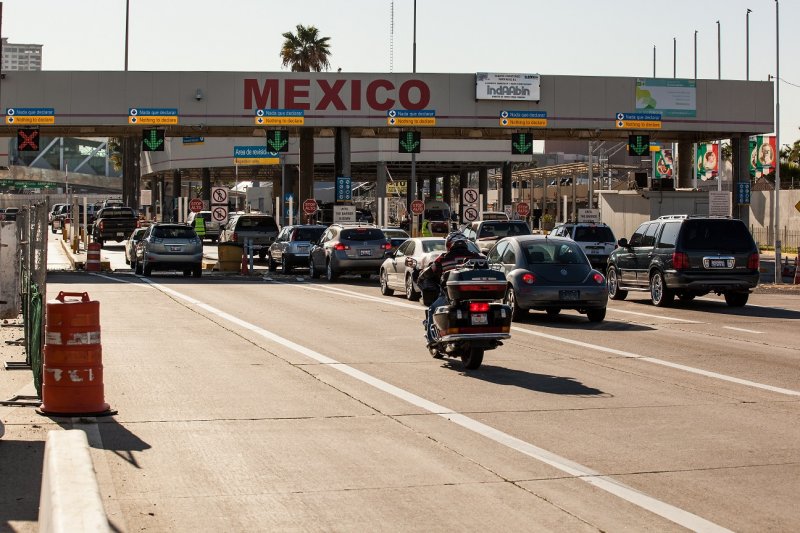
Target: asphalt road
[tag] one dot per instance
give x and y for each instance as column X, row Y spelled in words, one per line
column 289, row 404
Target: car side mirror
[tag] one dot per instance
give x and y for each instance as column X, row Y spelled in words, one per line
column 623, row 243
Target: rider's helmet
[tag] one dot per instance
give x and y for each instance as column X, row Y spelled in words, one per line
column 455, row 239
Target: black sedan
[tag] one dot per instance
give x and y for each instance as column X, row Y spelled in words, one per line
column 549, row 274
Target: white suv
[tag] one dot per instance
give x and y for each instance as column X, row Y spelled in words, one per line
column 595, row 239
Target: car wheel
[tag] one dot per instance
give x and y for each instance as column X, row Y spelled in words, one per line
column 596, row 315
column 660, row 295
column 262, row 254
column 510, row 300
column 147, row 269
column 285, row 268
column 411, row 294
column 271, row 266
column 137, row 268
column 736, row 299
column 197, row 271
column 472, row 358
column 614, row 292
column 313, row 273
column 553, row 311
column 385, row 290
column 330, row 273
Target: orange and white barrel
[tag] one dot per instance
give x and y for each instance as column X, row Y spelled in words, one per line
column 93, row 257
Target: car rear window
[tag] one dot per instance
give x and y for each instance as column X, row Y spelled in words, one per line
column 503, row 229
column 722, row 235
column 307, row 234
column 121, row 212
column 433, row 246
column 557, row 253
column 256, row 224
column 174, row 232
column 363, row 234
column 594, row 234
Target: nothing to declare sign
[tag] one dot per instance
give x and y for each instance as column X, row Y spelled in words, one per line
column 492, row 86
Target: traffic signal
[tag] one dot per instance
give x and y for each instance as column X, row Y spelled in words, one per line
column 410, row 142
column 638, row 145
column 153, row 140
column 28, row 140
column 278, row 140
column 521, row 144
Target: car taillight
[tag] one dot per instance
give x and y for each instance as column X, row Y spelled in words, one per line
column 138, row 223
column 478, row 307
column 753, row 262
column 386, row 246
column 680, row 261
column 339, row 246
column 529, row 278
column 234, row 237
column 598, row 278
column 101, row 225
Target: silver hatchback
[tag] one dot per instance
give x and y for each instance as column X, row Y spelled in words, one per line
column 170, row 247
column 349, row 249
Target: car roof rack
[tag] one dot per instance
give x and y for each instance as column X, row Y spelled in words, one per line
column 683, row 217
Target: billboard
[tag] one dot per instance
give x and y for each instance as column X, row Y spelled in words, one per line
column 668, row 96
column 491, row 86
column 763, row 154
column 707, row 162
column 664, row 166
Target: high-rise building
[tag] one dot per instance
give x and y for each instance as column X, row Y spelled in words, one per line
column 21, row 56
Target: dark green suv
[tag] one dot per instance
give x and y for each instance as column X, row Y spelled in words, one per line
column 685, row 256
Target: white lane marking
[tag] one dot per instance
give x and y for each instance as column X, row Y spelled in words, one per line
column 677, row 366
column 751, row 305
column 629, row 355
column 669, row 318
column 742, row 329
column 606, row 483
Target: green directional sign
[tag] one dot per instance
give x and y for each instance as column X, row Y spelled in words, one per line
column 278, row 140
column 153, row 140
column 638, row 145
column 521, row 144
column 410, row 142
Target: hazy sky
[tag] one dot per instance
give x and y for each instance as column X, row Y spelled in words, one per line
column 568, row 37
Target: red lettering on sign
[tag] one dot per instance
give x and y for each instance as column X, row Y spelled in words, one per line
column 405, row 95
column 355, row 95
column 331, row 95
column 372, row 95
column 294, row 90
column 264, row 99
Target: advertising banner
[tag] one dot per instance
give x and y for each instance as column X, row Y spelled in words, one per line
column 670, row 97
column 707, row 161
column 663, row 163
column 491, row 86
column 762, row 155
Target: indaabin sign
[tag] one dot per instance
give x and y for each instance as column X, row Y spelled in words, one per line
column 492, row 86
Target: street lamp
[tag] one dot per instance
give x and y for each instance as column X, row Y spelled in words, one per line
column 778, row 273
column 674, row 57
column 719, row 51
column 747, row 42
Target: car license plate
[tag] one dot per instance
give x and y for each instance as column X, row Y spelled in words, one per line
column 302, row 248
column 120, row 234
column 479, row 319
column 569, row 295
column 175, row 248
column 364, row 252
column 718, row 263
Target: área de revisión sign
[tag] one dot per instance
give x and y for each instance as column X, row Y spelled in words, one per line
column 254, row 155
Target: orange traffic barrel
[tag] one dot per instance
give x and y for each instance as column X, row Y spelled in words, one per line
column 72, row 377
column 93, row 257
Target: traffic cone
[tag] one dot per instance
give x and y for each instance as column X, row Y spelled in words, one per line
column 245, row 270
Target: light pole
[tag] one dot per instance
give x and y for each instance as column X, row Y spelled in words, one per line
column 778, row 273
column 747, row 43
column 127, row 19
column 694, row 145
column 674, row 57
column 719, row 51
column 695, row 55
column 654, row 61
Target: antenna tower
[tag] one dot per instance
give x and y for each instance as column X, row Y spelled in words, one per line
column 391, row 37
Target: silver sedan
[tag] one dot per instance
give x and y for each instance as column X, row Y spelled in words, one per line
column 549, row 274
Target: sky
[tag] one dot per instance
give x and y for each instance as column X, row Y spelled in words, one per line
column 566, row 37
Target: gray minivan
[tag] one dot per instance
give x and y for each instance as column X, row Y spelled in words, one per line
column 261, row 229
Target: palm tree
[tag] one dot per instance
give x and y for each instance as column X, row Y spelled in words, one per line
column 305, row 51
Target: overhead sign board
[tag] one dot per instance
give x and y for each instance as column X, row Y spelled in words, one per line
column 280, row 117
column 402, row 117
column 409, row 142
column 493, row 86
column 194, row 140
column 638, row 121
column 344, row 189
column 149, row 116
column 521, row 144
column 344, row 214
column 589, row 215
column 523, row 119
column 30, row 115
column 638, row 145
column 669, row 96
column 254, row 155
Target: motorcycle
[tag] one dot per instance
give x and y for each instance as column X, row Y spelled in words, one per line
column 472, row 321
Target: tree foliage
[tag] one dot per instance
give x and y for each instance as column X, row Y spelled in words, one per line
column 305, row 51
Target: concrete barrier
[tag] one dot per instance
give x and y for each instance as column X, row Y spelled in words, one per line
column 70, row 500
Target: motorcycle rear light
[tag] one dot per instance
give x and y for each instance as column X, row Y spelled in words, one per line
column 339, row 247
column 598, row 278
column 680, row 261
column 478, row 307
column 234, row 237
column 529, row 278
column 753, row 262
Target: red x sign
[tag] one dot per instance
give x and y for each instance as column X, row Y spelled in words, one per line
column 28, row 140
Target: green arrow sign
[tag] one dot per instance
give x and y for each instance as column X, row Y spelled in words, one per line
column 278, row 140
column 153, row 140
column 410, row 142
column 638, row 145
column 521, row 144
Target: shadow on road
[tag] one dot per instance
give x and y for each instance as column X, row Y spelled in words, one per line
column 115, row 437
column 526, row 380
column 573, row 321
column 20, row 481
column 721, row 308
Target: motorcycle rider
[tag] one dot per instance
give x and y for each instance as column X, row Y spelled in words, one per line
column 457, row 252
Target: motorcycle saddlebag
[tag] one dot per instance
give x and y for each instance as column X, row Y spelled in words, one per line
column 476, row 284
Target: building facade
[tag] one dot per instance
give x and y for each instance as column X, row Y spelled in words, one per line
column 21, row 56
